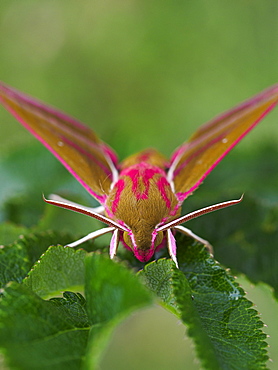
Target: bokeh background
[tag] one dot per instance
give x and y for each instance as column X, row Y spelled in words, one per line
column 140, row 73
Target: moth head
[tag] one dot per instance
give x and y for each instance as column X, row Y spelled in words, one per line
column 143, row 245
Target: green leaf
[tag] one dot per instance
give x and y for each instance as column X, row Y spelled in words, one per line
column 9, row 232
column 111, row 289
column 112, row 292
column 62, row 333
column 222, row 322
column 226, row 329
column 245, row 238
column 57, row 270
column 74, row 305
column 39, row 334
column 158, row 277
column 14, row 263
column 17, row 259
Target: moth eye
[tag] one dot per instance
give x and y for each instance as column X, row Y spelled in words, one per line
column 127, row 239
column 159, row 238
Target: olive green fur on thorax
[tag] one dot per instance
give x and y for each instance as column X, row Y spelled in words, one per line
column 142, row 198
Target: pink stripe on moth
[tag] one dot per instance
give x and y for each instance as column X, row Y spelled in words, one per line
column 146, row 173
column 110, row 153
column 83, row 138
column 134, row 175
column 100, row 198
column 182, row 196
column 162, row 183
column 265, row 95
column 109, row 213
column 121, row 222
column 141, row 168
column 68, row 126
column 145, row 155
column 179, row 152
column 143, row 256
column 132, row 238
column 196, row 154
column 138, row 171
column 176, row 209
column 119, row 186
column 173, row 212
column 147, row 176
column 16, row 95
column 89, row 155
column 154, row 234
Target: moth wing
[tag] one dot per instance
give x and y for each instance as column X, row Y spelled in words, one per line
column 195, row 159
column 76, row 146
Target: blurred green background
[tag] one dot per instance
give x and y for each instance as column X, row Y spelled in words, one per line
column 140, row 73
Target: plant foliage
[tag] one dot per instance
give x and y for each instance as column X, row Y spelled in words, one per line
column 59, row 306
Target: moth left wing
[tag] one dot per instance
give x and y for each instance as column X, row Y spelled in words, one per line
column 76, row 146
column 195, row 159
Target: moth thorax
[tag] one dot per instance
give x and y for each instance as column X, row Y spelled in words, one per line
column 143, row 242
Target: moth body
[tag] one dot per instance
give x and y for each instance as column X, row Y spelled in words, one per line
column 142, row 199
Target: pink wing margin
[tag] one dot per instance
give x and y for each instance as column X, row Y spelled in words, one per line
column 195, row 159
column 77, row 147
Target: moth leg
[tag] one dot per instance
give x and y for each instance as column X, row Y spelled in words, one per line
column 92, row 235
column 171, row 242
column 57, row 198
column 188, row 232
column 114, row 243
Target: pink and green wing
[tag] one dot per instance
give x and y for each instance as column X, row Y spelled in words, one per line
column 195, row 159
column 76, row 146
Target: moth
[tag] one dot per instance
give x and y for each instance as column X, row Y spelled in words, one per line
column 141, row 197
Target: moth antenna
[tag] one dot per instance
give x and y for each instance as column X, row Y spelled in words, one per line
column 90, row 236
column 198, row 213
column 84, row 210
column 56, row 197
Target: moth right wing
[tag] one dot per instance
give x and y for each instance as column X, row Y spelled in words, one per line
column 195, row 159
